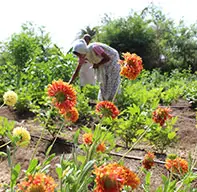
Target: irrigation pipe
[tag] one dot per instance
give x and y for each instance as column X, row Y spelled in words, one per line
column 111, row 153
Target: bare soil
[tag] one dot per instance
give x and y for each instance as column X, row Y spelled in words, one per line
column 187, row 143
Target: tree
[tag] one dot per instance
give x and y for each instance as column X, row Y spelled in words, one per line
column 154, row 37
column 88, row 30
column 131, row 34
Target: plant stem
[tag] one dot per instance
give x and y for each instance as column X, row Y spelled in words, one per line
column 42, row 133
column 2, row 105
column 55, row 137
column 141, row 136
column 5, row 144
column 116, row 91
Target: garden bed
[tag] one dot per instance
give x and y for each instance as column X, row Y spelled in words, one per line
column 187, row 133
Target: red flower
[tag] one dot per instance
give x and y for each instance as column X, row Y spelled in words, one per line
column 63, row 94
column 148, row 161
column 177, row 165
column 101, row 147
column 113, row 177
column 71, row 114
column 107, row 109
column 87, row 138
column 131, row 66
column 160, row 115
column 37, row 182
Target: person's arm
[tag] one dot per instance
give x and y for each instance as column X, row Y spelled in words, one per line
column 100, row 51
column 105, row 59
column 75, row 74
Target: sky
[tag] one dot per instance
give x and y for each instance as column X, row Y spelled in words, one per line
column 64, row 19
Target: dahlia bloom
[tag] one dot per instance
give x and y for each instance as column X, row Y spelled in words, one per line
column 23, row 135
column 160, row 115
column 113, row 177
column 88, row 138
column 37, row 183
column 177, row 165
column 148, row 160
column 63, row 94
column 107, row 109
column 101, row 147
column 10, row 98
column 131, row 65
column 71, row 114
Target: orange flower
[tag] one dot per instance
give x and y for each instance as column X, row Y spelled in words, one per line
column 160, row 115
column 131, row 179
column 107, row 109
column 37, row 183
column 87, row 138
column 101, row 147
column 71, row 115
column 63, row 94
column 113, row 177
column 177, row 165
column 148, row 161
column 131, row 66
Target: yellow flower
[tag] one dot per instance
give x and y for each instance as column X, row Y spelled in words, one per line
column 23, row 135
column 10, row 98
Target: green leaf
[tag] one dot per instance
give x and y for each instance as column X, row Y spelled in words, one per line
column 48, row 160
column 49, row 150
column 14, row 174
column 9, row 156
column 81, row 158
column 2, row 154
column 171, row 135
column 139, row 132
column 147, row 178
column 76, row 136
column 87, row 168
column 32, row 165
column 59, row 172
column 86, row 129
column 45, row 168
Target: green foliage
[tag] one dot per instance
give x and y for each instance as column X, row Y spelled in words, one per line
column 138, row 94
column 162, row 137
column 132, row 34
column 6, row 126
column 91, row 91
column 191, row 93
column 83, row 105
column 30, row 62
column 130, row 125
column 171, row 94
column 153, row 36
column 88, row 30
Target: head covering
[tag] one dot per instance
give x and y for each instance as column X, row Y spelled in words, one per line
column 80, row 47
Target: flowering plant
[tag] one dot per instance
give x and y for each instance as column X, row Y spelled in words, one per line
column 131, row 65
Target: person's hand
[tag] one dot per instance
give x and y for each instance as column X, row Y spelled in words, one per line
column 95, row 66
column 82, row 60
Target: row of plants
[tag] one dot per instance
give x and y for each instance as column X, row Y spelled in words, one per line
column 136, row 118
column 137, row 99
column 91, row 168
